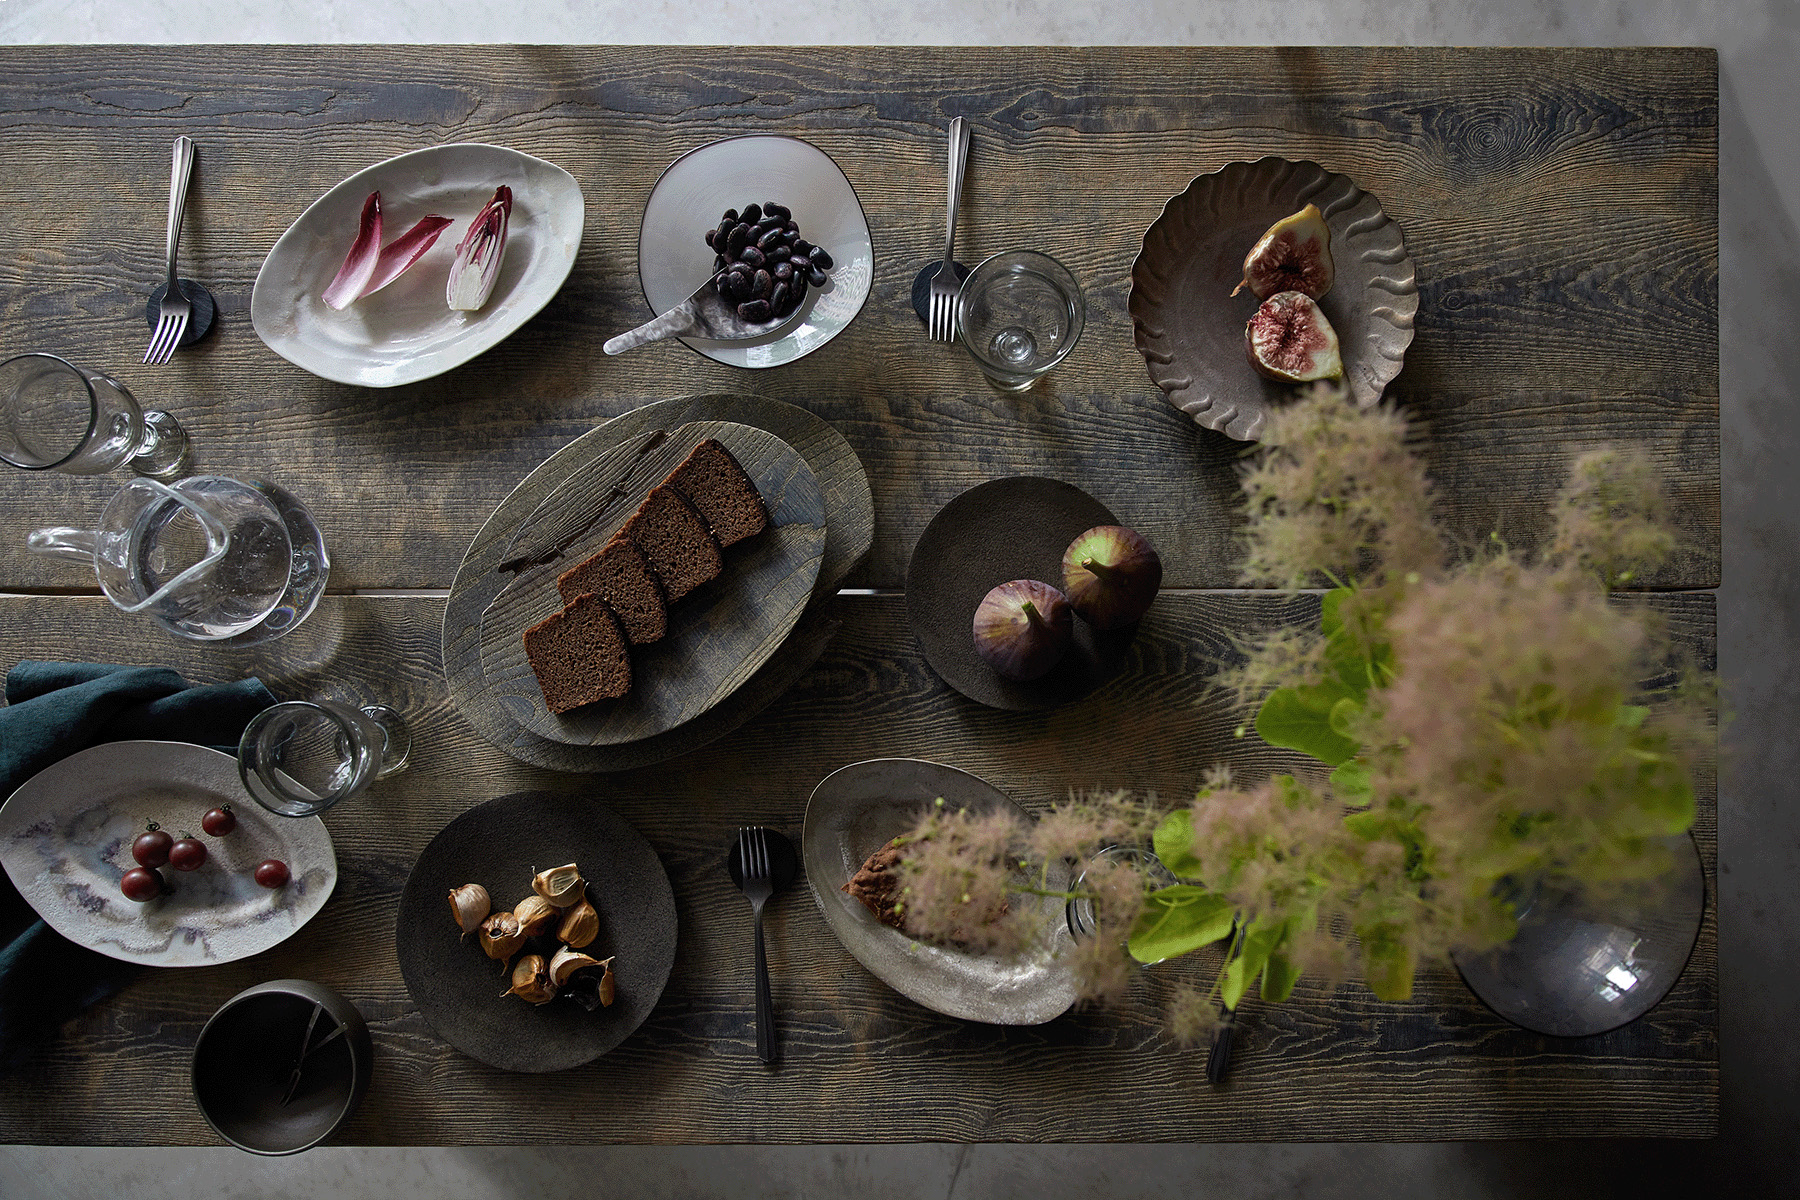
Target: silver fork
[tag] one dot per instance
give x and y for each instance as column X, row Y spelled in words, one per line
column 172, row 316
column 945, row 285
column 758, row 885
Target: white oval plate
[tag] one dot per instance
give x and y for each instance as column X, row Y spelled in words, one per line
column 694, row 192
column 65, row 840
column 406, row 332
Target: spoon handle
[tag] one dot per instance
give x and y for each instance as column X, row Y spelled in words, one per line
column 765, row 1009
column 674, row 323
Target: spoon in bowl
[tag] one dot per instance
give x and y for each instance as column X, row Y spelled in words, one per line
column 704, row 314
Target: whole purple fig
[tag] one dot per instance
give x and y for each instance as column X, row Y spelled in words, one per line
column 1111, row 574
column 1022, row 628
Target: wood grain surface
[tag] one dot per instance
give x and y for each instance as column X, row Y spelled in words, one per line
column 861, row 1063
column 1560, row 207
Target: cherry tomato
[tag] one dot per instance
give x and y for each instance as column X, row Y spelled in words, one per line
column 141, row 884
column 271, row 872
column 187, row 854
column 219, row 821
column 152, row 846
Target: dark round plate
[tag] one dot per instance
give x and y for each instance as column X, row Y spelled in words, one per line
column 499, row 844
column 1014, row 528
column 1190, row 328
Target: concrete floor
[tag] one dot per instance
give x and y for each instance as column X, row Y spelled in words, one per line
column 1758, row 1153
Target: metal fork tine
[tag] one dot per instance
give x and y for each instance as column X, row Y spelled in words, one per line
column 743, row 851
column 762, row 853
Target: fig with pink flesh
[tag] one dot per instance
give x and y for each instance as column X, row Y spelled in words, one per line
column 1111, row 575
column 1023, row 628
column 1293, row 256
column 1288, row 339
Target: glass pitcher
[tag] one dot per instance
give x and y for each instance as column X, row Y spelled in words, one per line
column 207, row 558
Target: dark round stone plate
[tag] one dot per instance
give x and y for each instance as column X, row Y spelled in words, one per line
column 202, row 310
column 459, row 990
column 1015, row 528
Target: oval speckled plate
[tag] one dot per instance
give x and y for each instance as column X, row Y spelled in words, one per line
column 65, row 840
column 859, row 809
column 1190, row 328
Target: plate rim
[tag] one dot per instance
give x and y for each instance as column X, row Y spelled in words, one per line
column 827, row 912
column 862, row 215
column 407, row 376
column 211, row 757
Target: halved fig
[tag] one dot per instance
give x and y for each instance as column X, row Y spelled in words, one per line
column 1288, row 339
column 1294, row 256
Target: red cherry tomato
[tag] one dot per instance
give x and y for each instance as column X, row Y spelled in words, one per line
column 141, row 884
column 187, row 854
column 271, row 872
column 152, row 847
column 219, row 821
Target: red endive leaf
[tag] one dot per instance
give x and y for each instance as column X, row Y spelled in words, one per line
column 477, row 262
column 353, row 277
column 404, row 251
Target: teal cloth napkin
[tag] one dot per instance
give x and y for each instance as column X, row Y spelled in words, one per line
column 52, row 710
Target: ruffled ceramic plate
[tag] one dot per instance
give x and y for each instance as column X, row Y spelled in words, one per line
column 406, row 332
column 1190, row 328
column 65, row 840
column 697, row 188
column 859, row 809
column 459, row 990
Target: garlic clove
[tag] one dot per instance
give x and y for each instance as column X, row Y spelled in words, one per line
column 580, row 925
column 566, row 962
column 561, row 886
column 501, row 936
column 470, row 905
column 536, row 915
column 531, row 980
column 606, row 985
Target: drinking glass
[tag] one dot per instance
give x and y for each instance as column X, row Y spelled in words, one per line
column 1019, row 313
column 1080, row 911
column 56, row 416
column 299, row 758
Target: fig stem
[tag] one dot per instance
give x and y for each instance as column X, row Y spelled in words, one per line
column 1031, row 613
column 1101, row 570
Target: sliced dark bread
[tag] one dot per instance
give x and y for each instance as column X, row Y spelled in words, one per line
column 579, row 655
column 717, row 486
column 620, row 575
column 675, row 540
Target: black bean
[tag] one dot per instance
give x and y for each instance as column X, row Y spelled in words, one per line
column 802, row 246
column 778, row 297
column 791, row 226
column 752, row 213
column 718, row 262
column 767, row 223
column 754, row 311
column 782, row 271
column 721, row 283
column 780, row 210
column 768, row 241
column 820, row 258
column 739, row 268
column 730, row 214
column 710, row 235
column 737, row 239
column 752, row 255
column 800, row 262
column 762, row 283
column 797, row 289
column 740, row 285
column 817, row 277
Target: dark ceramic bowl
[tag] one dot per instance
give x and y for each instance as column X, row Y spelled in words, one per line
column 245, row 1058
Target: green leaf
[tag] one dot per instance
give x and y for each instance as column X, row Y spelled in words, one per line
column 1177, row 920
column 1367, row 825
column 1279, row 977
column 1300, row 719
column 1259, row 940
column 1330, row 618
column 1630, row 716
column 1350, row 783
column 1174, row 844
column 1343, row 718
column 1388, row 961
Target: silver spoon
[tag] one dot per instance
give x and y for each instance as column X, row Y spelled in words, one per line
column 704, row 314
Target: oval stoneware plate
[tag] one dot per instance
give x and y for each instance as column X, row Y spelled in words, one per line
column 718, row 635
column 500, row 844
column 406, row 332
column 65, row 839
column 694, row 192
column 857, row 810
column 1190, row 328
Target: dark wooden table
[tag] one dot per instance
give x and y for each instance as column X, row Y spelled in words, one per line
column 1561, row 207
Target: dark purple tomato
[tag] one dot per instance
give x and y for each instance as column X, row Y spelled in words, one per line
column 152, row 847
column 219, row 821
column 271, row 873
column 187, row 854
column 141, row 884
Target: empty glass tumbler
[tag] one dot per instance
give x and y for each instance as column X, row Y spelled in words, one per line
column 56, row 416
column 1019, row 314
column 299, row 758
